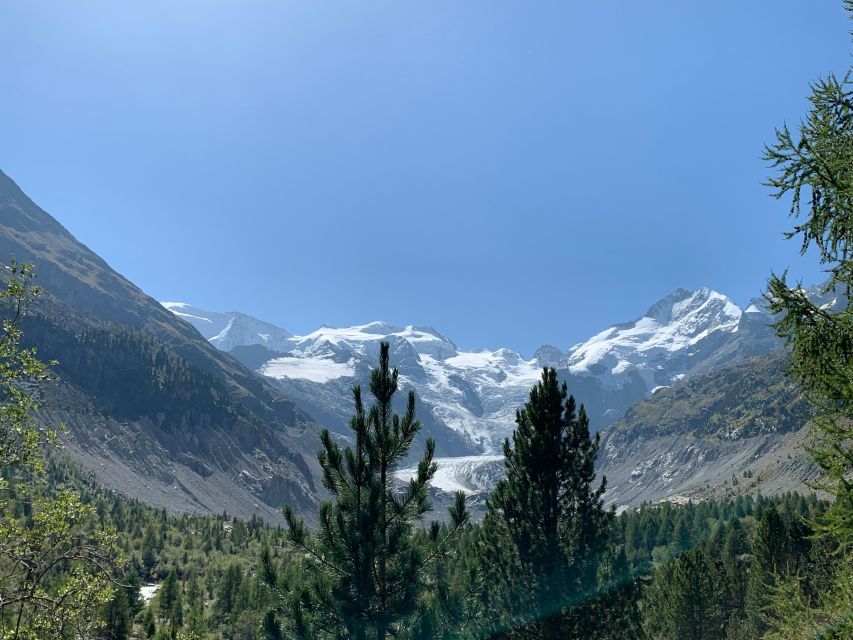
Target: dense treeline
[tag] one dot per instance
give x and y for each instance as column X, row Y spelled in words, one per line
column 133, row 375
column 204, row 567
column 704, row 570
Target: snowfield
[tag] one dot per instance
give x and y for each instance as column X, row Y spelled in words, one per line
column 314, row 369
column 670, row 328
column 228, row 330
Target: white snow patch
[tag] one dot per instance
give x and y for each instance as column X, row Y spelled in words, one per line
column 313, row 369
column 148, row 591
column 669, row 328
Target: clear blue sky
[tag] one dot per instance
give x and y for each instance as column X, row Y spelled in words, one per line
column 513, row 173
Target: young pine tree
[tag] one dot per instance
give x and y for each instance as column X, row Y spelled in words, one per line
column 365, row 572
column 546, row 527
column 686, row 600
column 769, row 564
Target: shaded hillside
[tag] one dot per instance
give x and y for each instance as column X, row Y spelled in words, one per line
column 126, row 363
column 75, row 277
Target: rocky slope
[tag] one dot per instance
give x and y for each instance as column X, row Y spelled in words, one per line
column 142, row 391
column 739, row 422
column 683, row 334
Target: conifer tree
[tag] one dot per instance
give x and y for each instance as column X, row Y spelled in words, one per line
column 684, row 600
column 618, row 607
column 680, row 536
column 148, row 623
column 228, row 592
column 169, row 595
column 120, row 610
column 769, row 564
column 815, row 168
column 365, row 570
column 734, row 555
column 546, row 527
column 195, row 603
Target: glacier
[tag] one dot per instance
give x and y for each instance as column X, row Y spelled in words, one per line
column 467, row 399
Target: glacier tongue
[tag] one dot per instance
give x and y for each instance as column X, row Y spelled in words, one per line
column 474, row 393
column 468, row 474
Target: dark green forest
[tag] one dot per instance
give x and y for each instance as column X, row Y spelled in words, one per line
column 706, row 570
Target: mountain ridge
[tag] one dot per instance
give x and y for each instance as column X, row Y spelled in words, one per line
column 474, row 393
column 251, row 425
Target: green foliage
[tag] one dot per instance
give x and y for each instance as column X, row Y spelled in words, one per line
column 814, row 166
column 723, row 585
column 55, row 566
column 366, row 573
column 685, row 600
column 825, row 615
column 21, row 439
column 546, row 528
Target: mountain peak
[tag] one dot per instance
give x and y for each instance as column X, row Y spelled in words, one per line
column 662, row 309
column 231, row 329
column 676, row 327
column 378, row 327
column 548, row 356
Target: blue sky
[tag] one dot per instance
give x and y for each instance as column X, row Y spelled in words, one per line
column 512, row 173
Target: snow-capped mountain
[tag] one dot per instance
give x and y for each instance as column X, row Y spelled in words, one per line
column 232, row 329
column 468, row 399
column 686, row 332
column 472, row 394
